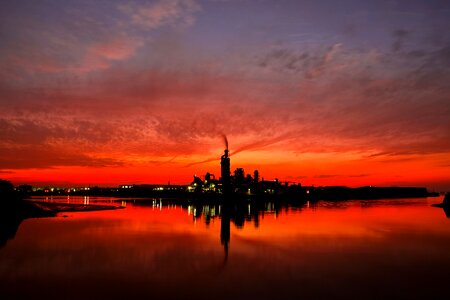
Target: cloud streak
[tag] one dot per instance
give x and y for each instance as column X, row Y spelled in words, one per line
column 163, row 12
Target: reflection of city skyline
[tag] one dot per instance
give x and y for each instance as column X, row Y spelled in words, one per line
column 237, row 213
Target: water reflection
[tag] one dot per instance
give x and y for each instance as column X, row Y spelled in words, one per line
column 238, row 214
column 8, row 228
column 446, row 211
column 225, row 230
column 169, row 249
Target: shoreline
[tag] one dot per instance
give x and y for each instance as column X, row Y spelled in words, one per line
column 277, row 192
column 57, row 207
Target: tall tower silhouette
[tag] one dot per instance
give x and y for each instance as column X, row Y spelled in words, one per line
column 225, row 171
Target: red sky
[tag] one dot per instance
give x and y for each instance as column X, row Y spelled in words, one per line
column 312, row 92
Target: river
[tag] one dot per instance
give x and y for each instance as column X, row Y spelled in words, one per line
column 157, row 249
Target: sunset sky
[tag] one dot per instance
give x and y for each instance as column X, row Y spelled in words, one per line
column 320, row 92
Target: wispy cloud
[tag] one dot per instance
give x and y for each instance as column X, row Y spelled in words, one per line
column 49, row 157
column 264, row 142
column 117, row 48
column 358, row 175
column 400, row 35
column 290, row 177
column 6, row 172
column 325, row 176
column 180, row 13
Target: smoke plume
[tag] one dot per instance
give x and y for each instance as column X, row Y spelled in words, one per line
column 225, row 140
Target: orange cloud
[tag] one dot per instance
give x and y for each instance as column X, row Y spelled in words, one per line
column 115, row 49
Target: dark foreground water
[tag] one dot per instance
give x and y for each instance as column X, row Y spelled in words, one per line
column 386, row 249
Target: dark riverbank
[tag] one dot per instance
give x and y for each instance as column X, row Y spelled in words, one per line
column 70, row 207
column 15, row 210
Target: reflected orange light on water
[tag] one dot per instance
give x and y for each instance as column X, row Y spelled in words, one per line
column 157, row 244
column 355, row 219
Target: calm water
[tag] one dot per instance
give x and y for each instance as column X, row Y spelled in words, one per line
column 358, row 249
